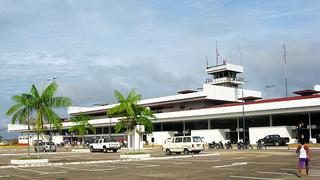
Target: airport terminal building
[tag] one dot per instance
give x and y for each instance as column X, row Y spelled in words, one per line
column 221, row 110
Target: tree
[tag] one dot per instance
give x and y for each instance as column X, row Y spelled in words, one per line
column 43, row 106
column 21, row 112
column 82, row 124
column 130, row 113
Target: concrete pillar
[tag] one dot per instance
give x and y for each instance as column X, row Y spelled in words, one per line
column 270, row 119
column 309, row 118
column 209, row 124
column 238, row 129
column 184, row 127
column 161, row 127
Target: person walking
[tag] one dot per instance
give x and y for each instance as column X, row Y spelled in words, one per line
column 304, row 157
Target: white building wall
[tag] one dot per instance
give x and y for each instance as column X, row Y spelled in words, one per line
column 256, row 133
column 210, row 135
column 160, row 136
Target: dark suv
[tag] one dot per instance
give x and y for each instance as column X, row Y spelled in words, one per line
column 274, row 139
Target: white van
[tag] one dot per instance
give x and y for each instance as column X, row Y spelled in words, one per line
column 185, row 144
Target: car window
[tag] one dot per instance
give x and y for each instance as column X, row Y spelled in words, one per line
column 187, row 139
column 178, row 140
column 48, row 143
column 100, row 141
column 197, row 139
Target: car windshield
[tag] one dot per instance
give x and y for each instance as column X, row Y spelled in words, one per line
column 197, row 139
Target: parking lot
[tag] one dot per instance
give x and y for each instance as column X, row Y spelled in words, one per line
column 251, row 164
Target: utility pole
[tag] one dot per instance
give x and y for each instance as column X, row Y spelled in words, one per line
column 285, row 67
column 217, row 53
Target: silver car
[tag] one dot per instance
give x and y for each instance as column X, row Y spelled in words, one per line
column 45, row 147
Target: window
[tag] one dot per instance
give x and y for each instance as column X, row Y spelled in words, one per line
column 100, row 141
column 178, row 140
column 197, row 139
column 187, row 139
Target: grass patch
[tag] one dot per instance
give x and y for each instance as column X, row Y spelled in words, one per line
column 134, row 153
column 30, row 158
column 14, row 147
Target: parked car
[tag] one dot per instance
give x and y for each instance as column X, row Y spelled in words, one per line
column 104, row 145
column 273, row 140
column 45, row 147
column 4, row 143
column 185, row 144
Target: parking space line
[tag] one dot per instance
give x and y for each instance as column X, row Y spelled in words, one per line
column 94, row 170
column 276, row 173
column 240, row 158
column 183, row 163
column 22, row 177
column 4, row 176
column 249, row 177
column 146, row 166
column 231, row 165
column 40, row 172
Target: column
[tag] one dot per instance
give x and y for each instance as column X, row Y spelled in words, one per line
column 309, row 117
column 270, row 119
column 238, row 129
column 184, row 127
column 209, row 124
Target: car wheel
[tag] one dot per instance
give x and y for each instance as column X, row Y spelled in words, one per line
column 91, row 149
column 115, row 150
column 105, row 149
column 168, row 152
column 186, row 151
column 277, row 143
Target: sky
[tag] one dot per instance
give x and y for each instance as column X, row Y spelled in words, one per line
column 156, row 47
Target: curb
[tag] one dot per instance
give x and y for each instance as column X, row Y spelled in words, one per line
column 107, row 161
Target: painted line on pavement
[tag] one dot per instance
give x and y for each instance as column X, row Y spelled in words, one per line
column 249, row 177
column 231, row 165
column 180, row 163
column 108, row 161
column 40, row 172
column 4, row 176
column 146, row 166
column 276, row 173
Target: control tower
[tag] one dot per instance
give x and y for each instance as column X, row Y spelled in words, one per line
column 225, row 75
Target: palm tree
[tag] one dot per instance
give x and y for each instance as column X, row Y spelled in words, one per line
column 130, row 113
column 82, row 124
column 44, row 104
column 21, row 112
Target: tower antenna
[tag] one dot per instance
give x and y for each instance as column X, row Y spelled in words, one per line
column 285, row 68
column 206, row 62
column 217, row 53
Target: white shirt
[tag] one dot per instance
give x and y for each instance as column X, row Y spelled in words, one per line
column 303, row 153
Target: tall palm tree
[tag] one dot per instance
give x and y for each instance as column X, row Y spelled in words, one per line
column 44, row 104
column 82, row 124
column 130, row 113
column 21, row 112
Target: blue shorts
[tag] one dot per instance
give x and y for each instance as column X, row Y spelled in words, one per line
column 302, row 162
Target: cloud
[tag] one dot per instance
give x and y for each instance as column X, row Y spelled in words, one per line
column 156, row 47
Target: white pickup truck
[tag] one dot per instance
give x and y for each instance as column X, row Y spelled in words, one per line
column 104, row 145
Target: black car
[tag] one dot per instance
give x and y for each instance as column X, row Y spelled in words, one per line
column 274, row 140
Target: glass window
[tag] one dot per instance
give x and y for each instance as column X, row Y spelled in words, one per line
column 178, row 140
column 197, row 139
column 187, row 139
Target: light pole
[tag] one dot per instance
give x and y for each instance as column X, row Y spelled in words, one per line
column 50, row 135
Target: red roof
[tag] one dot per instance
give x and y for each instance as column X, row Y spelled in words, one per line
column 267, row 101
column 306, row 92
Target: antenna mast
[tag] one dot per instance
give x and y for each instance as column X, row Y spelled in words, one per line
column 206, row 62
column 286, row 69
column 217, row 53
